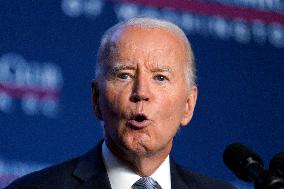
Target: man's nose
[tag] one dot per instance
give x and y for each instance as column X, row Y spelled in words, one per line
column 141, row 90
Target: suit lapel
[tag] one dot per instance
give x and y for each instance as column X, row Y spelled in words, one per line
column 177, row 181
column 97, row 182
column 91, row 171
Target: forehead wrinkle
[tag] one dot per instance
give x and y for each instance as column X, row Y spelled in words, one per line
column 128, row 50
column 154, row 64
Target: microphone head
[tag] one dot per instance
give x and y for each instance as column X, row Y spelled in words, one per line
column 277, row 163
column 242, row 161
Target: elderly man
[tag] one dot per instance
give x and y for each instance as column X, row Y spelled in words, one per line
column 143, row 92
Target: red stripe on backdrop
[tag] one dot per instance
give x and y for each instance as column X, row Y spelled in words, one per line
column 214, row 9
column 18, row 91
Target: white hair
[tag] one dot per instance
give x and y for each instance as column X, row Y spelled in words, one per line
column 108, row 43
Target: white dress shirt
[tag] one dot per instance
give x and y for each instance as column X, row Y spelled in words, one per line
column 122, row 177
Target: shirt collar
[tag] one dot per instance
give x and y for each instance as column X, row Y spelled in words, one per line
column 122, row 177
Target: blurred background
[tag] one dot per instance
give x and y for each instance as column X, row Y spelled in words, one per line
column 47, row 58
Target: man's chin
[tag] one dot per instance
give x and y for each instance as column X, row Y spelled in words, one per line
column 137, row 148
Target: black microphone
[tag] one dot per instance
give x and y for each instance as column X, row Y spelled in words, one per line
column 277, row 164
column 248, row 166
column 243, row 162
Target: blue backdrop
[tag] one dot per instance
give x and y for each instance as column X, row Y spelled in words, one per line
column 47, row 56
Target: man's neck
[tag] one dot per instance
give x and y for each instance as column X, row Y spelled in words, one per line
column 146, row 166
column 142, row 164
column 122, row 176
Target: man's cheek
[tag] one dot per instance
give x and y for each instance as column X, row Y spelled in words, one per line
column 112, row 100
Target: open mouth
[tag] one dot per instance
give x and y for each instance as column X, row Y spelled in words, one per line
column 138, row 121
column 140, row 118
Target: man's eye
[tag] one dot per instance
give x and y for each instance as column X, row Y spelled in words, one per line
column 123, row 76
column 160, row 78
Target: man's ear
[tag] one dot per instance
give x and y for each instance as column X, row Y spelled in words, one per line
column 190, row 105
column 95, row 99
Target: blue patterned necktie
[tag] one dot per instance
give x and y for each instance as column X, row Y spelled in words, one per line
column 146, row 183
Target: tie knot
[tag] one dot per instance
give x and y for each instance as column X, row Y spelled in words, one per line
column 146, row 183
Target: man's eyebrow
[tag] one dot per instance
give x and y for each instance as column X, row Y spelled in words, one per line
column 117, row 68
column 162, row 69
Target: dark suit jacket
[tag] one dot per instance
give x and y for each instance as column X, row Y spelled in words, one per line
column 89, row 172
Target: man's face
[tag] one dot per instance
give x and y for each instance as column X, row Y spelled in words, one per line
column 144, row 96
